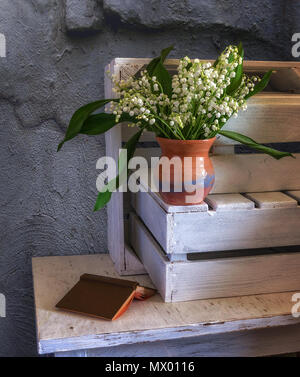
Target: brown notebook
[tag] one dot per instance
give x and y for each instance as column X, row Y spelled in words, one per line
column 103, row 297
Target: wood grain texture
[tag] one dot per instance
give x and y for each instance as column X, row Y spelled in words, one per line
column 255, row 173
column 272, row 200
column 239, row 228
column 227, row 202
column 287, row 80
column 133, row 265
column 251, row 343
column 294, row 194
column 233, row 230
column 159, row 222
column 147, row 321
column 241, row 173
column 143, row 243
column 115, row 226
column 224, row 277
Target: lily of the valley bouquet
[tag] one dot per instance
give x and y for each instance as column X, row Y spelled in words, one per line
column 194, row 104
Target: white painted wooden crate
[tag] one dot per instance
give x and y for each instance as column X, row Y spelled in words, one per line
column 235, row 216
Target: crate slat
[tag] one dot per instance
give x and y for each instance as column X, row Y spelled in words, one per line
column 227, row 202
column 225, row 277
column 255, row 173
column 294, row 194
column 272, row 200
column 190, row 232
column 241, row 173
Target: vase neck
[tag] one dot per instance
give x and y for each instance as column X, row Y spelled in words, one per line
column 185, row 148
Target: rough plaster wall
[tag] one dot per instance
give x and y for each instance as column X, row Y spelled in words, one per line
column 56, row 52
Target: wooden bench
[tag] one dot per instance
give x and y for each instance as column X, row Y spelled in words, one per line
column 241, row 326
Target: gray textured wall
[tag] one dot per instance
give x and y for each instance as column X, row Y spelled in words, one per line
column 56, row 52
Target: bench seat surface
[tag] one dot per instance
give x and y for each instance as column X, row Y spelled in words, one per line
column 148, row 321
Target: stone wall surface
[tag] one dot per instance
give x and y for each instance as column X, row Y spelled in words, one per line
column 56, row 52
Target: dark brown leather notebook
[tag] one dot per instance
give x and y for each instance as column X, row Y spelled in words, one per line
column 102, row 296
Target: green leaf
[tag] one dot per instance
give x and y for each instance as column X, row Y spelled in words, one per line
column 156, row 68
column 79, row 118
column 104, row 197
column 100, row 123
column 253, row 144
column 260, row 85
column 164, row 78
column 241, row 50
column 236, row 81
column 160, row 59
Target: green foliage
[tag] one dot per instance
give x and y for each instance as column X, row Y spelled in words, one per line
column 260, row 86
column 237, row 80
column 157, row 69
column 79, row 117
column 104, row 196
column 253, row 144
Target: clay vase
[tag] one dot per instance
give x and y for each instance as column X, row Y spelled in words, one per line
column 191, row 177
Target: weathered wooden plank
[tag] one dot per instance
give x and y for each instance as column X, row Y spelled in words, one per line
column 240, row 173
column 286, row 80
column 143, row 243
column 255, row 173
column 251, row 343
column 294, row 194
column 191, row 232
column 224, row 277
column 133, row 265
column 151, row 320
column 153, row 216
column 233, row 230
column 272, row 200
column 115, row 225
column 227, row 202
column 236, row 276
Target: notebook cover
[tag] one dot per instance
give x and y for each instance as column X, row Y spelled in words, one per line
column 103, row 297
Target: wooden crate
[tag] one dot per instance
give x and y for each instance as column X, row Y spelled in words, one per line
column 213, row 276
column 234, row 217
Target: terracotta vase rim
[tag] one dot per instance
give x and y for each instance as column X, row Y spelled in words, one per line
column 174, row 141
